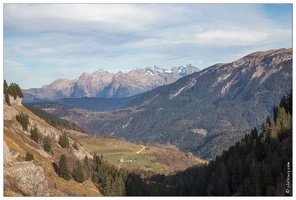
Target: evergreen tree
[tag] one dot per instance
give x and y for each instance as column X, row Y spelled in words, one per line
column 246, row 190
column 75, row 146
column 63, row 170
column 79, row 175
column 15, row 90
column 34, row 134
column 7, row 99
column 283, row 120
column 47, row 144
column 64, row 141
column 255, row 179
column 29, row 156
column 23, row 119
column 86, row 160
column 266, row 179
column 222, row 187
column 289, row 103
column 5, row 87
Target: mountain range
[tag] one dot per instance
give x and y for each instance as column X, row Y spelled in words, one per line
column 104, row 84
column 223, row 98
column 215, row 105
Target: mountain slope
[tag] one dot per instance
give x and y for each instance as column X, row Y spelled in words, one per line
column 39, row 177
column 258, row 165
column 104, row 84
column 225, row 97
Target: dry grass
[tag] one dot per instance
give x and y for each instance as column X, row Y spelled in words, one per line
column 18, row 141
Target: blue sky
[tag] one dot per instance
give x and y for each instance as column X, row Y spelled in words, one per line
column 43, row 42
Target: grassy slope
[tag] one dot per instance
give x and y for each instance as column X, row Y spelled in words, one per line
column 150, row 159
column 16, row 140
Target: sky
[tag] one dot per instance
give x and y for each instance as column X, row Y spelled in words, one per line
column 44, row 42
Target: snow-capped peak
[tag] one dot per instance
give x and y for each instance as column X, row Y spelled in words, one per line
column 174, row 71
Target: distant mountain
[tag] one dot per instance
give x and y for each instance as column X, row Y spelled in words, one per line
column 107, row 85
column 223, row 98
column 58, row 107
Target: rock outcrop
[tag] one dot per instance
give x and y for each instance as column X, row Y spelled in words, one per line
column 28, row 178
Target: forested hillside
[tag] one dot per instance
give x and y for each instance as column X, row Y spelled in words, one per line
column 55, row 121
column 258, row 165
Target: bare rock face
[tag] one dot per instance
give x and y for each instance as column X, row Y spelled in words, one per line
column 25, row 176
column 104, row 84
column 8, row 155
column 28, row 177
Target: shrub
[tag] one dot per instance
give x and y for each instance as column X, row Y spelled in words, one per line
column 29, row 156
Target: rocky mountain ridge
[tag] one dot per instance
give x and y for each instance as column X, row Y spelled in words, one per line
column 102, row 83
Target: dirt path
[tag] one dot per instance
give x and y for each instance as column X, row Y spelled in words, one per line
column 141, row 149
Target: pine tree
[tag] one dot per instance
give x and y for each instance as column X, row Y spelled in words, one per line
column 7, row 99
column 86, row 160
column 14, row 90
column 47, row 144
column 5, row 87
column 266, row 178
column 222, row 184
column 255, row 179
column 34, row 134
column 283, row 120
column 289, row 102
column 79, row 175
column 23, row 119
column 64, row 170
column 63, row 141
column 246, row 190
column 75, row 146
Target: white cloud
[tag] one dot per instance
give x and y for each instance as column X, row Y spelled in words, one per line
column 125, row 35
column 231, row 37
column 12, row 67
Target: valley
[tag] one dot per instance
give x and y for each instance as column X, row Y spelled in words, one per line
column 202, row 131
column 218, row 104
column 151, row 158
column 162, row 159
column 147, row 99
